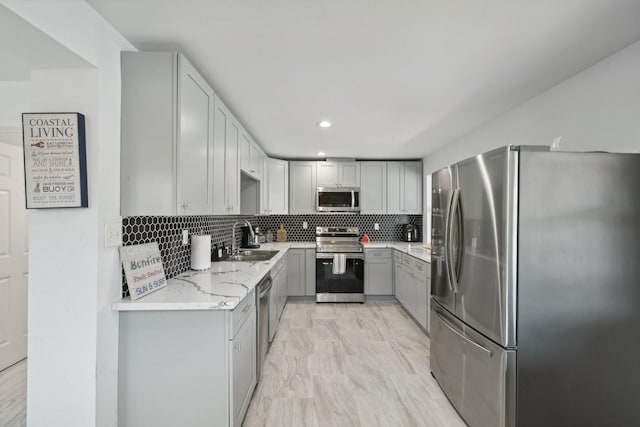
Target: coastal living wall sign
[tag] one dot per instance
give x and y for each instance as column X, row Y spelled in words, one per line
column 55, row 162
column 143, row 269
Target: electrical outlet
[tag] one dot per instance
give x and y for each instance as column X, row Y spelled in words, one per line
column 555, row 145
column 376, row 226
column 185, row 237
column 112, row 234
column 305, row 225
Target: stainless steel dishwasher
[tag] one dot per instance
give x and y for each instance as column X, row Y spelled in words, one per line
column 264, row 288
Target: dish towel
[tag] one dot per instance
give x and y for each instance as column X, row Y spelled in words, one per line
column 339, row 264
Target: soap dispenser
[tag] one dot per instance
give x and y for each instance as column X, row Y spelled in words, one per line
column 282, row 234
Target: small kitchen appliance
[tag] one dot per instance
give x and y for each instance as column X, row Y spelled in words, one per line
column 410, row 233
column 338, row 199
column 249, row 239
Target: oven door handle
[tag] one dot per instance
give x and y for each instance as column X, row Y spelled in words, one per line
column 348, row 255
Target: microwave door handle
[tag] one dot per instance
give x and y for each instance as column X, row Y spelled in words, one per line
column 353, row 199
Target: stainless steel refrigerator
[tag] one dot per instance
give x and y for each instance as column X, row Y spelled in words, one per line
column 535, row 287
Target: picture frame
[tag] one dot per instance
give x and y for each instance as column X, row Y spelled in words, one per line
column 55, row 162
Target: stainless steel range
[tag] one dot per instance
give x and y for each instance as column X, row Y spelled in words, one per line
column 339, row 265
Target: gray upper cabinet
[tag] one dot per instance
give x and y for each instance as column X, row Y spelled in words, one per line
column 404, row 188
column 166, row 166
column 349, row 174
column 249, row 153
column 327, row 174
column 275, row 187
column 338, row 174
column 373, row 187
column 302, row 187
column 226, row 172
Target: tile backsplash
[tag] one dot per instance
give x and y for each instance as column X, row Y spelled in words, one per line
column 176, row 258
column 167, row 231
column 390, row 225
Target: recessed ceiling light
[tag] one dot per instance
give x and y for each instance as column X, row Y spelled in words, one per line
column 321, row 153
column 324, row 124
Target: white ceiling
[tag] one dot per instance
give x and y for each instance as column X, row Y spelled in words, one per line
column 398, row 78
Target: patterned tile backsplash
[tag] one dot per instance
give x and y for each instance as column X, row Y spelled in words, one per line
column 390, row 225
column 167, row 231
column 176, row 258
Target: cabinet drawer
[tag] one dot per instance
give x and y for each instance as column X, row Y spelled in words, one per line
column 372, row 254
column 407, row 259
column 421, row 266
column 242, row 312
column 397, row 256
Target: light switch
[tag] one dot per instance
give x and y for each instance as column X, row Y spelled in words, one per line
column 185, row 237
column 112, row 234
column 305, row 225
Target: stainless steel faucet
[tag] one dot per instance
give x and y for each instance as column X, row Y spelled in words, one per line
column 234, row 246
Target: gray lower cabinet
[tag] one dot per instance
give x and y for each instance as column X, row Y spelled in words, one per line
column 187, row 367
column 243, row 367
column 412, row 282
column 278, row 296
column 296, row 276
column 378, row 272
column 301, row 272
column 310, row 266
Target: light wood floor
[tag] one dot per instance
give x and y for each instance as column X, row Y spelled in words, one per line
column 13, row 395
column 348, row 365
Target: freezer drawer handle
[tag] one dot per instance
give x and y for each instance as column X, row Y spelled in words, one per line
column 445, row 323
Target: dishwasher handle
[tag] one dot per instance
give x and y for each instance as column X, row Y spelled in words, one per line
column 265, row 286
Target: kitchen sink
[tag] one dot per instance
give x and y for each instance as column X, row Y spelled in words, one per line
column 253, row 255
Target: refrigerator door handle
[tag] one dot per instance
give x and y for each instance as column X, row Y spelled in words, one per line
column 447, row 242
column 452, row 329
column 454, row 213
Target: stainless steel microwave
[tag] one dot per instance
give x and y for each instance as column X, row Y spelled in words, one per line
column 338, row 199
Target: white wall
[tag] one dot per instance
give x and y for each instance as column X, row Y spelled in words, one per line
column 73, row 334
column 15, row 101
column 597, row 109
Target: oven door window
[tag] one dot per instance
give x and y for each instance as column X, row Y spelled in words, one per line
column 352, row 281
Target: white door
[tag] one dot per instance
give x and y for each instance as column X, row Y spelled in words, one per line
column 13, row 257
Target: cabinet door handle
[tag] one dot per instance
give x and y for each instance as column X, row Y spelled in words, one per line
column 246, row 308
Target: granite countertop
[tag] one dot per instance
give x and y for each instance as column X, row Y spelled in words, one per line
column 220, row 287
column 226, row 283
column 415, row 249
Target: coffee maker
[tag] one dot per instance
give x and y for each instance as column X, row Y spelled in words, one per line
column 248, row 239
column 410, row 233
